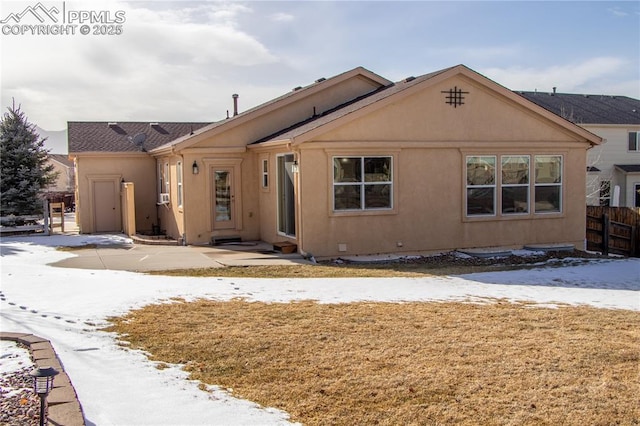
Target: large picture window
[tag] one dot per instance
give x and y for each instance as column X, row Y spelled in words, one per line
column 481, row 185
column 362, row 183
column 548, row 186
column 522, row 178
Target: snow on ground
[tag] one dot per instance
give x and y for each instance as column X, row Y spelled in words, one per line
column 12, row 359
column 118, row 386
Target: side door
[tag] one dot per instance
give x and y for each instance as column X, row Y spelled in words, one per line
column 105, row 206
column 286, row 196
column 224, row 198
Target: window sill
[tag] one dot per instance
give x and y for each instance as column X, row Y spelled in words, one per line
column 515, row 216
column 346, row 213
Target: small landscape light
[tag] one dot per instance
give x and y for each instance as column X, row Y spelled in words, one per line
column 42, row 384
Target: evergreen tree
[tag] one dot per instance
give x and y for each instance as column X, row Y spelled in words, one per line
column 24, row 170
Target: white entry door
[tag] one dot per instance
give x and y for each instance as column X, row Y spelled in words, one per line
column 224, row 199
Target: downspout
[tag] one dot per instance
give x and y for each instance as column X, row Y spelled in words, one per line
column 184, row 202
column 160, row 171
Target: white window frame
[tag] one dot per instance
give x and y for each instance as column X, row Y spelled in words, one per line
column 537, row 184
column 179, row 182
column 634, row 138
column 265, row 173
column 363, row 184
column 526, row 185
column 481, row 186
column 498, row 187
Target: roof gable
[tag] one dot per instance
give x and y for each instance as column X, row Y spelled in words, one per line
column 292, row 125
column 346, row 108
column 271, row 108
column 588, row 109
column 102, row 136
column 395, row 92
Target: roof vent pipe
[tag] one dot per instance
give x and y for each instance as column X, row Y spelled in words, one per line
column 554, row 90
column 235, row 104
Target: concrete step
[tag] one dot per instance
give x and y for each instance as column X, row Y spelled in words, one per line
column 154, row 240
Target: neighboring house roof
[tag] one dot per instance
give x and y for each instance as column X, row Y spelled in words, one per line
column 62, row 159
column 588, row 109
column 629, row 168
column 102, row 136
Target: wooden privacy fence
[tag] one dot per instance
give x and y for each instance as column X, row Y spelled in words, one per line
column 613, row 230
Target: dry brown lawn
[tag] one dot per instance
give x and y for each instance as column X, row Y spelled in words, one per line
column 443, row 264
column 353, row 270
column 411, row 363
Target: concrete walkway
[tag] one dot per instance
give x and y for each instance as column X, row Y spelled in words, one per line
column 145, row 258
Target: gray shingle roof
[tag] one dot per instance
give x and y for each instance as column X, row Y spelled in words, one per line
column 348, row 107
column 629, row 168
column 588, row 109
column 102, row 136
column 293, row 94
column 123, row 137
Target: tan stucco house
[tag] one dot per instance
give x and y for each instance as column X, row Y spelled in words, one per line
column 65, row 180
column 353, row 164
column 62, row 189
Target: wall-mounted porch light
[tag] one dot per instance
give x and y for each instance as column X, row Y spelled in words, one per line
column 42, row 384
column 294, row 167
column 194, row 168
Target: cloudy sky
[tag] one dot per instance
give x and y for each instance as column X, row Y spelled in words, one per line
column 182, row 60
